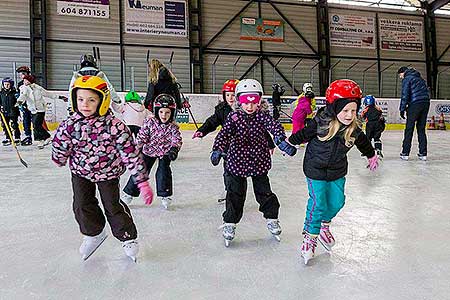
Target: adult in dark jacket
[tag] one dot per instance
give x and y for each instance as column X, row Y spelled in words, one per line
column 26, row 113
column 162, row 81
column 415, row 102
column 9, row 109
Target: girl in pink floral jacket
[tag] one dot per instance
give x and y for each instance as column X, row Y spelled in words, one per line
column 160, row 139
column 98, row 147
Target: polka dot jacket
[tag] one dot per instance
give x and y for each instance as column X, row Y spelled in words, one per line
column 98, row 148
column 243, row 139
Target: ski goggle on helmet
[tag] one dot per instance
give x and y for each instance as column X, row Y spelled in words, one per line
column 96, row 84
column 249, row 91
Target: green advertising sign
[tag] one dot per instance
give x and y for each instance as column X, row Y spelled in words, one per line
column 262, row 30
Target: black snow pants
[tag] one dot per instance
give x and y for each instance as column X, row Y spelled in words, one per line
column 90, row 217
column 236, row 193
column 164, row 186
column 374, row 131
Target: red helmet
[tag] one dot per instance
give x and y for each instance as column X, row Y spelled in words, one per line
column 23, row 69
column 230, row 85
column 343, row 89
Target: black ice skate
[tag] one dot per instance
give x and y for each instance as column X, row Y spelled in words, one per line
column 27, row 141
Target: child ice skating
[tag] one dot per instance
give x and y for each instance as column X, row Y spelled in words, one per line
column 10, row 110
column 243, row 142
column 98, row 146
column 303, row 110
column 330, row 135
column 375, row 122
column 221, row 112
column 133, row 112
column 159, row 139
column 33, row 95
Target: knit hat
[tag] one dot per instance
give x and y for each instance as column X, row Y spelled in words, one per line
column 339, row 105
column 30, row 78
column 402, row 70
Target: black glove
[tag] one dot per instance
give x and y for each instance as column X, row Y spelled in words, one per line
column 215, row 157
column 402, row 114
column 173, row 153
column 276, row 113
column 285, row 146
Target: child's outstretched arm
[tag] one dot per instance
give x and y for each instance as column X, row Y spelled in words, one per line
column 364, row 146
column 209, row 126
column 274, row 127
column 304, row 135
column 223, row 139
column 62, row 144
column 176, row 142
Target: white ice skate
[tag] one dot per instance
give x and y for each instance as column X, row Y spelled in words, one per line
column 422, row 157
column 165, row 201
column 325, row 236
column 40, row 144
column 274, row 228
column 228, row 232
column 47, row 141
column 404, row 156
column 131, row 249
column 308, row 247
column 91, row 243
column 126, row 198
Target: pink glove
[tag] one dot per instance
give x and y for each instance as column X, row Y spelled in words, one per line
column 146, row 191
column 197, row 134
column 373, row 163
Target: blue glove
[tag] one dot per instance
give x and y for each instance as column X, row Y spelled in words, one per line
column 215, row 157
column 285, row 146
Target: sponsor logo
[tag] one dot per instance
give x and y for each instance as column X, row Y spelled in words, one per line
column 443, row 108
column 138, row 4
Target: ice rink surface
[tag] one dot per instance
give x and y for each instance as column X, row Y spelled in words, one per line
column 392, row 236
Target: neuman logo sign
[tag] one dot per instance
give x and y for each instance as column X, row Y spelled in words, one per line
column 138, row 4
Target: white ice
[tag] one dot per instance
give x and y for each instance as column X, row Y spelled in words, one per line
column 392, row 236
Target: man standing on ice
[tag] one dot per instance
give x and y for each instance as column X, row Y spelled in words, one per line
column 415, row 101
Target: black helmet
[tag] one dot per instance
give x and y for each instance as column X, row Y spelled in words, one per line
column 165, row 101
column 87, row 60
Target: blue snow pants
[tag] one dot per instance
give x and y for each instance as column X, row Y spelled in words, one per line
column 326, row 198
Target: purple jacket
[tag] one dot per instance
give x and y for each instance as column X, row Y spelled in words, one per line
column 243, row 138
column 157, row 138
column 98, row 148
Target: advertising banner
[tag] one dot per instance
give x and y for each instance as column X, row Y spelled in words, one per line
column 156, row 17
column 262, row 30
column 401, row 35
column 84, row 8
column 352, row 31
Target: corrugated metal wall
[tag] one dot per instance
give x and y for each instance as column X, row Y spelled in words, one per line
column 14, row 23
column 69, row 37
column 214, row 18
column 443, row 41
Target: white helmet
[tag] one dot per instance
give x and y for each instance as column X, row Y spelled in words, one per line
column 307, row 87
column 248, row 86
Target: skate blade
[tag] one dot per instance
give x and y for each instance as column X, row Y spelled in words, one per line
column 133, row 258
column 85, row 257
column 277, row 237
column 221, row 201
column 227, row 243
column 328, row 249
column 306, row 260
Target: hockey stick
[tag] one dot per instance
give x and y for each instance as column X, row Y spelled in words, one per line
column 12, row 140
column 188, row 108
column 285, row 114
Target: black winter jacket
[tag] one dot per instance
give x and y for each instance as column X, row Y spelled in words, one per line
column 327, row 160
column 221, row 112
column 8, row 101
column 165, row 85
column 414, row 89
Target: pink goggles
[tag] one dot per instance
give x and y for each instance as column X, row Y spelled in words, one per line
column 250, row 98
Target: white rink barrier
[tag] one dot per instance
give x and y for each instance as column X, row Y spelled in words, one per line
column 202, row 106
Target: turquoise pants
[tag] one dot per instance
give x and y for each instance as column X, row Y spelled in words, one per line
column 326, row 198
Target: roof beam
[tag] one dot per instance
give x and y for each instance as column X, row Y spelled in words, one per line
column 436, row 4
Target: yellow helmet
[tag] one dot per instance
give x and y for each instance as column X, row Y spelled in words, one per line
column 96, row 84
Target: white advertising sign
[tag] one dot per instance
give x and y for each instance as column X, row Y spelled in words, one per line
column 84, row 8
column 401, row 35
column 352, row 31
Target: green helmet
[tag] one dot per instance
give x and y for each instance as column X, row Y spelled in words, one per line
column 132, row 96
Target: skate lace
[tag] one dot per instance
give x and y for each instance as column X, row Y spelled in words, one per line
column 228, row 227
column 310, row 241
column 326, row 231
